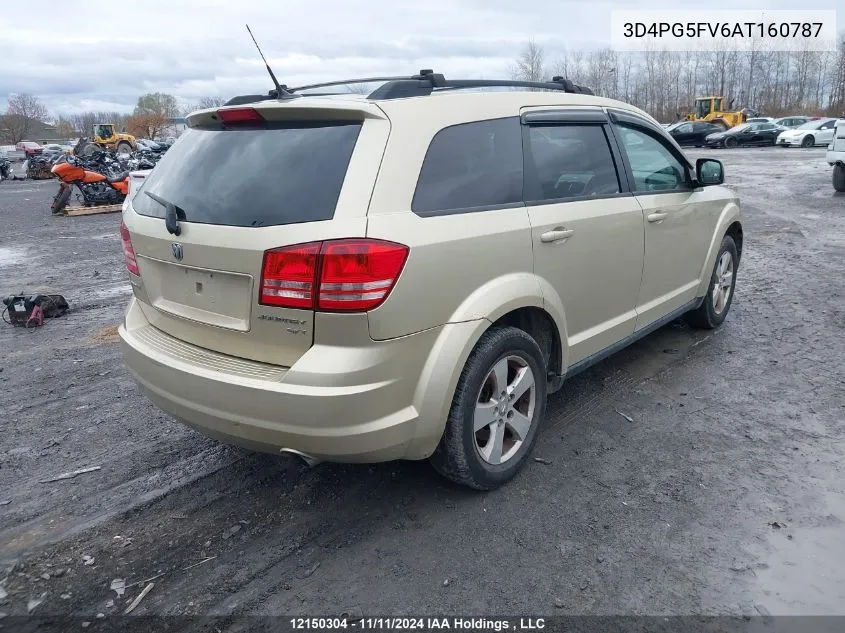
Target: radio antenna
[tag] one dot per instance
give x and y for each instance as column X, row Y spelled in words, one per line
column 280, row 89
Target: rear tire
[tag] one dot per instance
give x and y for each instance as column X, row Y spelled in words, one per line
column 839, row 177
column 505, row 360
column 808, row 141
column 720, row 292
column 61, row 199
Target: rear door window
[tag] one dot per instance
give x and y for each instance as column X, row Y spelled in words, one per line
column 471, row 166
column 284, row 174
column 569, row 161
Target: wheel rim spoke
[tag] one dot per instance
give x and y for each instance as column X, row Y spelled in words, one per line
column 485, row 414
column 492, row 452
column 522, row 382
column 500, row 376
column 519, row 424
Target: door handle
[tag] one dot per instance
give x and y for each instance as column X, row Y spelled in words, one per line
column 556, row 235
column 657, row 216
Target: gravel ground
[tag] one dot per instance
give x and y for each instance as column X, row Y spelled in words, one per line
column 725, row 495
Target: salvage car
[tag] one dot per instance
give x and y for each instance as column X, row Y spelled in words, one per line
column 791, row 122
column 745, row 134
column 409, row 274
column 29, row 148
column 836, row 155
column 818, row 132
column 693, row 133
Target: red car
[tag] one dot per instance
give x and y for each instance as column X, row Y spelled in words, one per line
column 30, row 148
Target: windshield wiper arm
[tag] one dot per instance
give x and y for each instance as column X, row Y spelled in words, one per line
column 171, row 218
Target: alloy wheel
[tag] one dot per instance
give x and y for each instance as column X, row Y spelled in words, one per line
column 723, row 284
column 504, row 410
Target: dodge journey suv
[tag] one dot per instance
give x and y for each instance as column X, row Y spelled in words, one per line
column 409, row 274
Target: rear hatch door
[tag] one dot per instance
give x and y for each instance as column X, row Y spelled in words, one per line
column 304, row 175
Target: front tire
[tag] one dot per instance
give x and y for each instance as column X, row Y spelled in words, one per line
column 839, row 177
column 730, row 143
column 808, row 141
column 717, row 302
column 124, row 148
column 496, row 412
column 61, row 199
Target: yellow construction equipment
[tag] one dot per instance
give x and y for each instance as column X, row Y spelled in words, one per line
column 710, row 109
column 105, row 135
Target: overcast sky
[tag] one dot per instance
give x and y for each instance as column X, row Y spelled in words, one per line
column 101, row 55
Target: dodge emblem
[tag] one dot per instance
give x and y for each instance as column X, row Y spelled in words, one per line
column 177, row 250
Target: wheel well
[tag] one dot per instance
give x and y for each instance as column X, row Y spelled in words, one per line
column 540, row 326
column 735, row 231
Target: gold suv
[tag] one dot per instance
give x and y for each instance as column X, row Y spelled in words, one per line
column 409, row 274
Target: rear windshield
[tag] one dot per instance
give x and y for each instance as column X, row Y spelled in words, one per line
column 282, row 175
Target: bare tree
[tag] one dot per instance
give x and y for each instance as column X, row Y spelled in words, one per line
column 205, row 103
column 665, row 84
column 84, row 122
column 24, row 110
column 529, row 66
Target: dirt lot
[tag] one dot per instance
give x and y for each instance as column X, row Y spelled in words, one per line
column 726, row 494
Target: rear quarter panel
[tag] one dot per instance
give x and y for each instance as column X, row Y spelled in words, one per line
column 462, row 266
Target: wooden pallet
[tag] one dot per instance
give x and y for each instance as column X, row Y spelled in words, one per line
column 106, row 208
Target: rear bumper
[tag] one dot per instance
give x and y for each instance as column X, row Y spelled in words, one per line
column 835, row 158
column 336, row 404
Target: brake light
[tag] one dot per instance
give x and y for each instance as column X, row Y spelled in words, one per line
column 348, row 275
column 357, row 275
column 240, row 115
column 128, row 251
column 288, row 276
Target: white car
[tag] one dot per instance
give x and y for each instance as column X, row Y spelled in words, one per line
column 791, row 122
column 836, row 155
column 817, row 132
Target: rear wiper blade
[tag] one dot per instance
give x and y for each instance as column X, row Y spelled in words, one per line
column 172, row 216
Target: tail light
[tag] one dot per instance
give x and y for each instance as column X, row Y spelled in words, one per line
column 288, row 276
column 349, row 275
column 128, row 251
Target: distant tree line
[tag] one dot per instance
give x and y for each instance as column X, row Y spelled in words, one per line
column 665, row 84
column 27, row 114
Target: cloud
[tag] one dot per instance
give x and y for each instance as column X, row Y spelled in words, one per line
column 91, row 53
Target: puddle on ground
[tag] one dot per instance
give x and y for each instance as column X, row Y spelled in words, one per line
column 9, row 256
column 113, row 291
column 804, row 573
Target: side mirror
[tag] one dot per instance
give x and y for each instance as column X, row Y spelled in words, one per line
column 709, row 171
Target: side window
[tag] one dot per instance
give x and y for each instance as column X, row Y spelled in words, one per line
column 654, row 166
column 471, row 165
column 827, row 125
column 569, row 161
column 686, row 128
column 767, row 126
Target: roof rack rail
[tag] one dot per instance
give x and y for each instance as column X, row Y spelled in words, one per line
column 427, row 81
column 419, row 85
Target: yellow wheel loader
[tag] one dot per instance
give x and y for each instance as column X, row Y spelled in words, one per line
column 710, row 109
column 105, row 135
